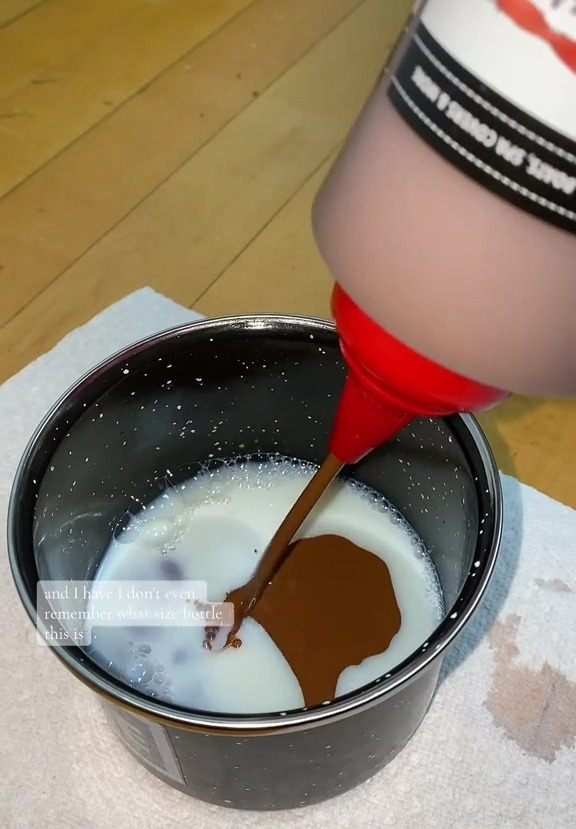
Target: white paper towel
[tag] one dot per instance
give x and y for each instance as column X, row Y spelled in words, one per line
column 497, row 748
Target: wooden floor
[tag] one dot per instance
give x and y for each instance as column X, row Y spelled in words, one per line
column 178, row 144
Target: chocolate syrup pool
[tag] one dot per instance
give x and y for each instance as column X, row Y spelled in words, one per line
column 356, row 597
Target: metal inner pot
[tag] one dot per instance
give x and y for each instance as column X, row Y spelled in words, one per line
column 232, row 387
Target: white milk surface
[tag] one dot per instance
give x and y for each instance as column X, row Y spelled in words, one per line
column 213, row 529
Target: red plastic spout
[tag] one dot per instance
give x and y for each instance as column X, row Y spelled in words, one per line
column 389, row 385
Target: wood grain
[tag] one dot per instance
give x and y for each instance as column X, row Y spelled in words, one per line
column 535, row 441
column 187, row 232
column 67, row 206
column 281, row 272
column 56, row 104
column 42, row 41
column 11, row 10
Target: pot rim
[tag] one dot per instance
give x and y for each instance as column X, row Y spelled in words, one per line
column 250, row 725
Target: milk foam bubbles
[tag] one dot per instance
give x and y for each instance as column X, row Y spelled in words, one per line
column 213, row 529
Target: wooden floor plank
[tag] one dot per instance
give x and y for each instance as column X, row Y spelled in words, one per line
column 36, row 44
column 61, row 211
column 281, row 272
column 535, row 441
column 192, row 227
column 38, row 120
column 11, row 10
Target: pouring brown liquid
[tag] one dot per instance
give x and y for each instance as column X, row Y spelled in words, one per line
column 331, row 605
column 302, row 592
column 244, row 598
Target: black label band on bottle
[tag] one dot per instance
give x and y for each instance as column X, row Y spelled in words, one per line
column 483, row 134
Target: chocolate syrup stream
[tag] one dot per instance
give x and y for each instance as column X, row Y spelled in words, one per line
column 301, row 589
column 245, row 597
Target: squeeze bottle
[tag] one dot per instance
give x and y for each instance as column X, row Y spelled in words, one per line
column 389, row 385
column 448, row 221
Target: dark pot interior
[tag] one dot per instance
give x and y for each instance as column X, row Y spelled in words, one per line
column 226, row 388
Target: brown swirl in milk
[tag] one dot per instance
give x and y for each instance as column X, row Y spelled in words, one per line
column 331, row 605
column 326, row 603
column 245, row 597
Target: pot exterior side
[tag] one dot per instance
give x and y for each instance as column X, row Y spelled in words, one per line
column 284, row 770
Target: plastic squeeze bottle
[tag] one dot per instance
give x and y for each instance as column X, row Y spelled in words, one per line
column 389, row 384
column 448, row 219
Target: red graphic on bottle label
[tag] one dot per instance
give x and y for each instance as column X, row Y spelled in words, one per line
column 532, row 19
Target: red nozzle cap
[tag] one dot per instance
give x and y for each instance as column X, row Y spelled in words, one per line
column 389, row 385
